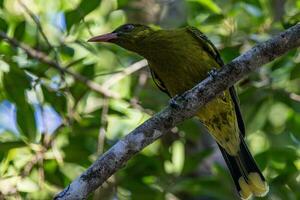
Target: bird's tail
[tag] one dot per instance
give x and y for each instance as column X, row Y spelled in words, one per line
column 246, row 175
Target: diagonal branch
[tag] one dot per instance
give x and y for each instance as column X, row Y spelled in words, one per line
column 188, row 104
column 127, row 71
column 42, row 57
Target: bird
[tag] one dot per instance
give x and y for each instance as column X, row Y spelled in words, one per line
column 178, row 60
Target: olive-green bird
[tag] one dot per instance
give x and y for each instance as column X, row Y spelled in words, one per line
column 179, row 59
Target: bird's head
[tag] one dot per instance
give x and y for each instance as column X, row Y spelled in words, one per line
column 128, row 36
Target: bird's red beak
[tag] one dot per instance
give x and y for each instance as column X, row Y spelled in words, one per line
column 104, row 38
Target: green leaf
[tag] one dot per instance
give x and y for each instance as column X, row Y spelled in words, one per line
column 290, row 21
column 6, row 146
column 260, row 117
column 194, row 159
column 38, row 69
column 122, row 3
column 56, row 99
column 295, row 73
column 67, row 50
column 71, row 170
column 1, row 3
column 210, row 5
column 78, row 89
column 26, row 121
column 72, row 17
column 214, row 18
column 20, row 30
column 229, row 53
column 84, row 8
column 3, row 25
column 15, row 83
column 87, row 6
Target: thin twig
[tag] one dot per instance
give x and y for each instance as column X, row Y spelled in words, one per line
column 103, row 126
column 74, row 62
column 188, row 104
column 295, row 97
column 50, row 46
column 143, row 77
column 42, row 57
column 127, row 71
column 37, row 22
column 40, row 28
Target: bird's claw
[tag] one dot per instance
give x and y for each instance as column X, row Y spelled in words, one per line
column 213, row 72
column 173, row 103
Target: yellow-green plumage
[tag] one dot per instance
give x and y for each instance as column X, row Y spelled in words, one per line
column 179, row 59
column 180, row 66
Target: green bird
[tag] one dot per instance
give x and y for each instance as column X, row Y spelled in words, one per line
column 178, row 60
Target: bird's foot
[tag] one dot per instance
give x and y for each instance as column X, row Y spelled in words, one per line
column 173, row 103
column 213, row 73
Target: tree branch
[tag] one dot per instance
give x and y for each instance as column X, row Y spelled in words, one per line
column 188, row 105
column 42, row 57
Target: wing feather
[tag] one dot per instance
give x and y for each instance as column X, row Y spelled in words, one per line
column 158, row 82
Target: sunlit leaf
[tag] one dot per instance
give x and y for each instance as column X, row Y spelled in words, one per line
column 27, row 185
column 209, row 4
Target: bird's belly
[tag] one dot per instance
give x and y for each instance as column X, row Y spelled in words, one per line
column 220, row 119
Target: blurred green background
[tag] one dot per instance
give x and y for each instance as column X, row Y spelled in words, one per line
column 53, row 126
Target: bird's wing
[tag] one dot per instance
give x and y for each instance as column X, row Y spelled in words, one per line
column 237, row 109
column 206, row 44
column 158, row 82
column 209, row 47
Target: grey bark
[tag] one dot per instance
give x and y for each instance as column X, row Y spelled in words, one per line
column 187, row 105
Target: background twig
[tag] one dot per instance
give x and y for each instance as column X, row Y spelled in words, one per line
column 42, row 57
column 127, row 71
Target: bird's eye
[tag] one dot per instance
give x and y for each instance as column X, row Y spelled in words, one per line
column 128, row 27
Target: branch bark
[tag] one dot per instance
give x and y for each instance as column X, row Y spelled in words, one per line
column 42, row 57
column 187, row 106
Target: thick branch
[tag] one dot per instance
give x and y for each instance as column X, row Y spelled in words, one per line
column 42, row 57
column 188, row 104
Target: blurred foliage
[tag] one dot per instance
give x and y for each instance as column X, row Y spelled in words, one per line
column 52, row 126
